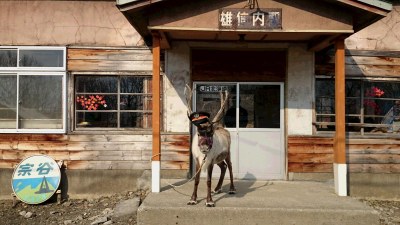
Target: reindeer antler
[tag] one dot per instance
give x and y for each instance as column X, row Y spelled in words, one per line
column 188, row 98
column 224, row 101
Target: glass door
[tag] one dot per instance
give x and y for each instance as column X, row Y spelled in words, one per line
column 254, row 118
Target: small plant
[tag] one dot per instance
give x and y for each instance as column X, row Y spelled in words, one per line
column 91, row 103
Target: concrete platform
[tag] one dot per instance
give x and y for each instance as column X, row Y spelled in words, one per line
column 256, row 202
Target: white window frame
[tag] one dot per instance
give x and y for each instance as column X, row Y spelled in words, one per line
column 19, row 48
column 38, row 71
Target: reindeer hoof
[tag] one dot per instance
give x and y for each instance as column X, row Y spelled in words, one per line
column 217, row 191
column 232, row 192
column 192, row 202
column 210, row 204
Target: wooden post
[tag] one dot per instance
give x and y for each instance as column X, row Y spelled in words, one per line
column 156, row 156
column 340, row 166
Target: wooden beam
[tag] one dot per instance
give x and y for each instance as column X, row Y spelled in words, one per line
column 340, row 133
column 156, row 153
column 321, row 42
column 164, row 41
column 156, row 98
column 365, row 7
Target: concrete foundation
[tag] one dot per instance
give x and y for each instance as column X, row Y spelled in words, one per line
column 93, row 183
column 362, row 185
column 379, row 186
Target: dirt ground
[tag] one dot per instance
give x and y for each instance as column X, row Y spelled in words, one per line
column 74, row 211
column 100, row 211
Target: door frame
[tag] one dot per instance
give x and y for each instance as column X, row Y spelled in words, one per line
column 238, row 129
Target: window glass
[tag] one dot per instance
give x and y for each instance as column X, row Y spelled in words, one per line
column 8, row 57
column 96, row 84
column 259, row 106
column 40, row 102
column 113, row 101
column 370, row 106
column 41, row 58
column 8, row 101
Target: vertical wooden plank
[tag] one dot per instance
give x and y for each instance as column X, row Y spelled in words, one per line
column 340, row 133
column 156, row 98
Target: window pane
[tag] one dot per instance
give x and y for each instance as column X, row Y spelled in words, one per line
column 8, row 58
column 353, row 88
column 132, row 102
column 96, row 119
column 259, row 106
column 41, row 58
column 40, row 102
column 325, row 88
column 131, row 84
column 325, row 96
column 96, row 84
column 8, row 101
column 136, row 120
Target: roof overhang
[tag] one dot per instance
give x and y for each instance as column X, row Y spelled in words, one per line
column 314, row 22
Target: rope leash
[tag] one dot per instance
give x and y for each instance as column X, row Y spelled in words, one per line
column 198, row 171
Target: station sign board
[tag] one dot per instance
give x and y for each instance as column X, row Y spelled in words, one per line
column 250, row 19
column 36, row 179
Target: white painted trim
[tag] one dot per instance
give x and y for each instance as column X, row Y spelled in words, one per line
column 340, row 175
column 155, row 176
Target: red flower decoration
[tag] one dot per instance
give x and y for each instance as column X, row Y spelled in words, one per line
column 91, row 103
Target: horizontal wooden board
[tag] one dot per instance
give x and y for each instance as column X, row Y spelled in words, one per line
column 374, row 168
column 141, row 165
column 101, row 65
column 310, row 158
column 111, row 54
column 310, row 167
column 367, row 60
column 309, row 140
column 395, row 54
column 361, row 70
column 373, row 158
column 310, row 148
column 119, row 151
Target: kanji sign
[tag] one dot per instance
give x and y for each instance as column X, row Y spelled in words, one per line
column 250, row 19
column 36, row 179
column 212, row 88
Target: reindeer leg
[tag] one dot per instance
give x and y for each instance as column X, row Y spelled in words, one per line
column 223, row 166
column 193, row 199
column 232, row 189
column 209, row 201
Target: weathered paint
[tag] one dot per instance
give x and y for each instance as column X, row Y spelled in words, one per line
column 296, row 16
column 299, row 94
column 176, row 77
column 65, row 23
column 382, row 35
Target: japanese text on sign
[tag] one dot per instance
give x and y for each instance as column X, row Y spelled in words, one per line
column 212, row 88
column 251, row 19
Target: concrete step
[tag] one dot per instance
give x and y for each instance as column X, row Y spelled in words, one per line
column 256, row 202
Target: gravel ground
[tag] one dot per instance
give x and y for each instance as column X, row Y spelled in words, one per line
column 107, row 210
column 389, row 211
column 103, row 210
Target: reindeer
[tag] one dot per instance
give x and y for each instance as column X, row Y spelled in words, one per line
column 210, row 146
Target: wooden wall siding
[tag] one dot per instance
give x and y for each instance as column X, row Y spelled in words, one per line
column 362, row 63
column 315, row 154
column 96, row 151
column 228, row 65
column 112, row 60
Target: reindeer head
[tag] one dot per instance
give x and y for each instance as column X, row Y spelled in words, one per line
column 205, row 126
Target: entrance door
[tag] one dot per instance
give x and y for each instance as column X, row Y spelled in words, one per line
column 254, row 118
